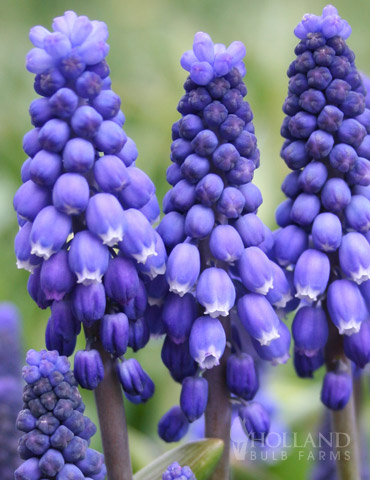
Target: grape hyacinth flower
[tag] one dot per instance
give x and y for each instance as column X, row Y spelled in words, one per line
column 10, row 388
column 323, row 237
column 85, row 209
column 176, row 472
column 56, row 433
column 219, row 252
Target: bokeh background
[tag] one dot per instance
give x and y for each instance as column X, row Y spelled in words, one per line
column 147, row 38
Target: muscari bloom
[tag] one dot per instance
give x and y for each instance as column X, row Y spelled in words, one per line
column 85, row 209
column 10, row 388
column 176, row 472
column 218, row 249
column 56, row 433
column 325, row 219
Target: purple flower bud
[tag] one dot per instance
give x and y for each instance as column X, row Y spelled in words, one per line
column 174, row 174
column 76, row 450
column 128, row 154
column 258, row 318
column 277, row 351
column 280, row 293
column 54, row 135
column 305, row 208
column 89, row 303
column 357, row 346
column 35, row 291
column 86, row 121
column 31, row 144
column 70, row 471
column 305, row 365
column 178, row 360
column 207, row 342
column 319, row 144
column 225, row 243
column 319, row 77
column 78, row 155
column 92, row 465
column 327, row 232
column 231, row 202
column 194, row 397
column 295, row 155
column 171, row 229
column 203, row 47
column 151, row 210
column 255, row 270
column 343, row 157
column 195, row 167
column 330, row 119
column 335, row 195
column 182, row 196
column 110, row 138
column 88, row 258
column 89, row 369
column 187, row 59
column 138, row 334
column 111, row 174
column 180, row 149
column 190, row 126
column 71, row 193
column 204, row 143
column 139, row 190
column 282, row 213
column 313, row 177
column 311, row 274
column 105, row 218
column 22, row 247
column 354, row 257
column 49, row 232
column 155, row 264
column 346, row 306
column 209, row 189
column 121, row 280
column 183, row 268
column 133, row 378
column 313, row 101
column 364, row 149
column 225, row 156
column 56, row 338
column 336, row 390
column 175, row 471
column 354, row 104
column 360, row 173
column 139, row 241
column 199, row 221
column 252, row 196
column 178, row 316
column 310, row 330
column 45, row 167
column 173, row 425
column 30, row 199
column 255, row 421
column 107, row 103
column 250, row 229
column 241, row 376
column 114, row 333
column 230, row 129
column 29, row 470
column 51, row 462
column 153, row 320
column 246, row 144
column 215, row 114
column 357, row 213
column 351, row 132
column 215, row 292
column 137, row 305
column 56, row 278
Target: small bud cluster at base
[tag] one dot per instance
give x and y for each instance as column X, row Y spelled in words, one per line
column 324, row 222
column 219, row 251
column 57, row 435
column 85, row 210
column 176, row 472
column 10, row 388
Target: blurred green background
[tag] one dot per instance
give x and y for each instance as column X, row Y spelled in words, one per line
column 147, row 38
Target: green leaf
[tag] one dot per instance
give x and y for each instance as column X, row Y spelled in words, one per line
column 202, row 457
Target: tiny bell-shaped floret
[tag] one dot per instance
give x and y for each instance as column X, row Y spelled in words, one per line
column 56, row 278
column 121, row 280
column 327, row 232
column 134, row 380
column 225, row 243
column 183, row 267
column 335, row 195
column 336, row 390
column 306, row 366
column 207, row 342
column 258, row 318
column 30, row 199
column 199, row 221
column 305, row 209
column 111, row 174
column 139, row 240
column 172, row 229
column 354, row 257
column 255, row 421
column 194, row 397
column 277, row 351
column 241, row 376
column 89, row 303
column 357, row 346
column 311, row 274
column 22, row 248
column 88, row 369
column 215, row 292
column 357, row 213
column 346, row 306
column 250, row 229
column 178, row 316
column 177, row 359
column 139, row 190
column 209, row 189
column 310, row 330
column 173, row 426
column 71, row 193
column 114, row 333
column 49, row 232
column 255, row 270
column 105, row 218
column 88, row 258
column 293, row 237
column 280, row 294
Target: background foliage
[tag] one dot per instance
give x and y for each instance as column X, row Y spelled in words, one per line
column 147, row 38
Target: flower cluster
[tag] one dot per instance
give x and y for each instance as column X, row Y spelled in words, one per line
column 57, row 435
column 325, row 219
column 176, row 472
column 218, row 249
column 85, row 210
column 10, row 388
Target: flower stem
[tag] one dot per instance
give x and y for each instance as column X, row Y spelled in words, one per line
column 112, row 420
column 343, row 421
column 218, row 412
